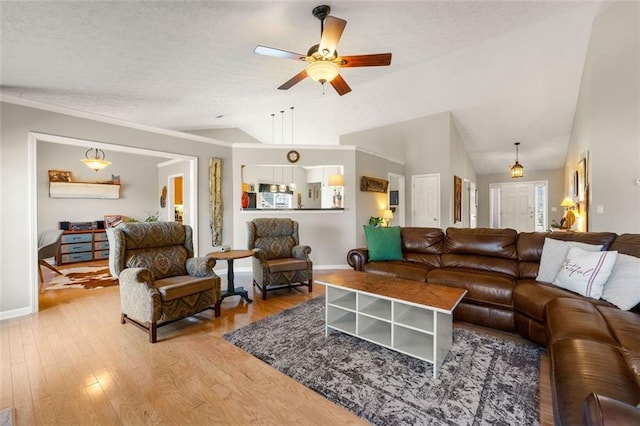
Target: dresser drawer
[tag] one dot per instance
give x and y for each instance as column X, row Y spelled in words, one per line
column 76, row 238
column 77, row 257
column 101, row 236
column 101, row 245
column 102, row 254
column 75, row 248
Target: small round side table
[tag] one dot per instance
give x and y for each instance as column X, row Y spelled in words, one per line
column 230, row 256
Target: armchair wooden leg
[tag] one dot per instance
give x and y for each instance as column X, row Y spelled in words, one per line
column 123, row 318
column 216, row 309
column 310, row 285
column 264, row 293
column 153, row 332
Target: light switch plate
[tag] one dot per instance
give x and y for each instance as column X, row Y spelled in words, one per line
column 600, row 209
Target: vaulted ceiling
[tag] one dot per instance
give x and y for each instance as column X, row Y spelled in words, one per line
column 508, row 70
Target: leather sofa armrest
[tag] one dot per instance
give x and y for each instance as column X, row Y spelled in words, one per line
column 301, row 252
column 599, row 410
column 201, row 267
column 356, row 258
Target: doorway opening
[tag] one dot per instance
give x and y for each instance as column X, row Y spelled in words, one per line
column 38, row 138
column 521, row 206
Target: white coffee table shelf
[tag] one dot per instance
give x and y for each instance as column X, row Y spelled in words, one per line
column 416, row 329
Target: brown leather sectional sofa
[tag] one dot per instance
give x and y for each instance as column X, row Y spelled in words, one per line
column 594, row 347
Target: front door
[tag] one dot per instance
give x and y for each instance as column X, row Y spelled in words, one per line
column 517, row 201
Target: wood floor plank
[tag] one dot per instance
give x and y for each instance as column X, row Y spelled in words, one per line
column 74, row 363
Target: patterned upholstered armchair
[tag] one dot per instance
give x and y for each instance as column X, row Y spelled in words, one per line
column 279, row 260
column 160, row 280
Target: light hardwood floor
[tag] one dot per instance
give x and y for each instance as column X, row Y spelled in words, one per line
column 74, row 363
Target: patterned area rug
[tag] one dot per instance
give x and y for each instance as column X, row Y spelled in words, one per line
column 483, row 380
column 89, row 277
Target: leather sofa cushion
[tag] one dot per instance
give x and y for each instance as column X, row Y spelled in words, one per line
column 529, row 246
column 176, row 287
column 482, row 286
column 430, row 260
column 483, row 263
column 422, row 240
column 528, row 270
column 495, row 317
column 574, row 318
column 596, row 238
column 624, row 325
column 482, row 242
column 598, row 410
column 580, row 367
column 395, row 268
column 627, row 244
column 531, row 296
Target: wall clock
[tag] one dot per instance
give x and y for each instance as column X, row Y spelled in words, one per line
column 293, row 156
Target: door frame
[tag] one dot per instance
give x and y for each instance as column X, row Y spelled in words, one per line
column 401, row 197
column 34, row 138
column 535, row 183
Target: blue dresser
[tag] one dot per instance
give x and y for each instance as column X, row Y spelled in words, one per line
column 83, row 246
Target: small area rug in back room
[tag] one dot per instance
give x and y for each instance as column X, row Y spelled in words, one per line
column 88, row 277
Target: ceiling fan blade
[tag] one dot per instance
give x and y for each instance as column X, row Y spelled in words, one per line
column 294, row 80
column 340, row 85
column 374, row 60
column 278, row 53
column 331, row 34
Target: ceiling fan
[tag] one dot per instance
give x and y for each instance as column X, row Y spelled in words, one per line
column 323, row 61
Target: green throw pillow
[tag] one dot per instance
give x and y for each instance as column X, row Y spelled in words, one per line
column 383, row 243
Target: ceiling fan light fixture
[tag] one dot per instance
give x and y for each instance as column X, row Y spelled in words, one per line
column 322, row 71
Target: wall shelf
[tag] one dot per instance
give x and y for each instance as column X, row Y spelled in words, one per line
column 83, row 190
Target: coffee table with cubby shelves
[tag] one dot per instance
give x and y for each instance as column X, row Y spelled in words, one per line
column 410, row 317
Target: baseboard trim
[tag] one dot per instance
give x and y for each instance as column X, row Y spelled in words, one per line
column 14, row 313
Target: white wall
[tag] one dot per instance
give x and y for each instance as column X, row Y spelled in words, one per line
column 17, row 203
column 137, row 190
column 461, row 166
column 331, row 234
column 607, row 119
column 425, row 145
column 371, row 203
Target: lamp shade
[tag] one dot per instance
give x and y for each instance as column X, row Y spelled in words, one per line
column 322, row 71
column 336, row 180
column 97, row 162
column 567, row 202
column 517, row 170
column 387, row 214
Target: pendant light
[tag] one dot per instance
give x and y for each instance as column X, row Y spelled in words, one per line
column 517, row 170
column 273, row 187
column 292, row 185
column 97, row 161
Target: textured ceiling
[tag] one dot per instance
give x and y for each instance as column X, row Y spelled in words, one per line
column 509, row 71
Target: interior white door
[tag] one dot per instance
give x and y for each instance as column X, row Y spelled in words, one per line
column 425, row 200
column 517, row 201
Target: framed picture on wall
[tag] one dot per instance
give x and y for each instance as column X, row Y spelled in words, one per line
column 457, row 199
column 393, row 198
column 582, row 179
